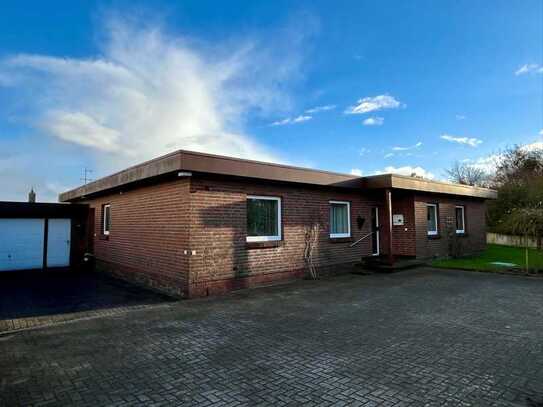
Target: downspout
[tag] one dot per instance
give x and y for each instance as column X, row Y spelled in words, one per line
column 388, row 198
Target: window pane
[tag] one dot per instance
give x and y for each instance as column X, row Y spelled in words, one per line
column 262, row 217
column 339, row 218
column 459, row 218
column 107, row 218
column 432, row 221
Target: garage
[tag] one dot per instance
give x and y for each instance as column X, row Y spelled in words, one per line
column 39, row 236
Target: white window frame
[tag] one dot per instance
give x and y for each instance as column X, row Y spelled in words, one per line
column 463, row 230
column 106, row 207
column 340, row 235
column 432, row 232
column 268, row 238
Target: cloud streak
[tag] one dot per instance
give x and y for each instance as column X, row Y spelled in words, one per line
column 529, row 69
column 468, row 141
column 413, row 147
column 373, row 104
column 292, row 120
column 373, row 121
column 319, row 109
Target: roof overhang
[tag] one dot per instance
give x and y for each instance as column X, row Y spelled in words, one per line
column 394, row 181
column 185, row 163
column 193, row 162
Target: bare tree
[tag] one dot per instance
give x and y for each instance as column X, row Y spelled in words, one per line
column 311, row 232
column 466, row 174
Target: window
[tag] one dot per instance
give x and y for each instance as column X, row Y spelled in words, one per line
column 460, row 221
column 263, row 218
column 432, row 219
column 340, row 219
column 106, row 219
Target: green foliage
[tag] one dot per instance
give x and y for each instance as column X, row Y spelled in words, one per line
column 494, row 253
column 519, row 181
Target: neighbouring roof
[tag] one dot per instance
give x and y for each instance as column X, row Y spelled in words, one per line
column 194, row 162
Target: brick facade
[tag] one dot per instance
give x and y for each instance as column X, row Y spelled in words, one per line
column 148, row 235
column 218, row 233
column 474, row 240
column 187, row 236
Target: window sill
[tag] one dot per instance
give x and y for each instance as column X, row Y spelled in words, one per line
column 434, row 237
column 263, row 245
column 104, row 237
column 340, row 239
column 462, row 234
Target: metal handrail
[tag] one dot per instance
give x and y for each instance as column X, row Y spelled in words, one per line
column 362, row 238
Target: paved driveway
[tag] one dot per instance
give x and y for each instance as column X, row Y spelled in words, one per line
column 412, row 338
column 35, row 298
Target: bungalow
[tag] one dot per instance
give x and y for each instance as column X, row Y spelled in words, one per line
column 193, row 224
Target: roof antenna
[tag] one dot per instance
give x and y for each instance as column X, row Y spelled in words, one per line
column 85, row 178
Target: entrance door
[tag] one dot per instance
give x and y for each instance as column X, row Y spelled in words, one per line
column 58, row 243
column 375, row 228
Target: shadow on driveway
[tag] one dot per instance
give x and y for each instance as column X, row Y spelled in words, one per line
column 33, row 298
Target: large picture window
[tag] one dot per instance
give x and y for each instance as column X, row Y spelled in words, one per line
column 340, row 219
column 460, row 220
column 263, row 218
column 106, row 219
column 432, row 219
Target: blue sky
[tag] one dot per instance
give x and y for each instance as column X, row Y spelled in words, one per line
column 363, row 86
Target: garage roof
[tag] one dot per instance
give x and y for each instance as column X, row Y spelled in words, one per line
column 194, row 162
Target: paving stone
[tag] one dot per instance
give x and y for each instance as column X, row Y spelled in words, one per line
column 420, row 337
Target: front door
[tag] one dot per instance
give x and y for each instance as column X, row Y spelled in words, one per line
column 375, row 230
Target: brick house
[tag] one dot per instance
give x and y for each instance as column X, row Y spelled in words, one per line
column 193, row 224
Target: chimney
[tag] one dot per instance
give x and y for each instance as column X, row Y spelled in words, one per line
column 32, row 196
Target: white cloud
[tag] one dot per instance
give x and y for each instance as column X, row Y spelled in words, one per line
column 356, row 171
column 541, row 132
column 413, row 147
column 407, row 170
column 150, row 93
column 460, row 117
column 371, row 104
column 389, row 155
column 535, row 146
column 529, row 68
column 363, row 151
column 373, row 121
column 487, row 164
column 318, row 109
column 294, row 120
column 82, row 129
column 301, row 119
column 469, row 141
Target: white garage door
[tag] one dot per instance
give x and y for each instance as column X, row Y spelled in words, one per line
column 58, row 243
column 21, row 244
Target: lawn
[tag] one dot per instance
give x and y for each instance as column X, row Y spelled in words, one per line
column 495, row 253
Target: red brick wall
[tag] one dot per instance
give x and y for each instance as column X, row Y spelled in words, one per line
column 218, row 232
column 188, row 237
column 404, row 237
column 149, row 231
column 475, row 237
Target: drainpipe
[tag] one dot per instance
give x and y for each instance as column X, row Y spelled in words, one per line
column 388, row 198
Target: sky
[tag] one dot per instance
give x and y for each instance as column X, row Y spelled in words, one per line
column 359, row 87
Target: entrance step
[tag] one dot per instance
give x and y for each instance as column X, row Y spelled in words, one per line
column 381, row 264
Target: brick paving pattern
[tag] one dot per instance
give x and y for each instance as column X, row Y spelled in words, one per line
column 419, row 337
column 34, row 298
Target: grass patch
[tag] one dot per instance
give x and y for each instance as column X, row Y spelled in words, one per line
column 494, row 253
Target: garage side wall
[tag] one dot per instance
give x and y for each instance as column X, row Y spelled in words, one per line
column 223, row 260
column 474, row 239
column 149, row 231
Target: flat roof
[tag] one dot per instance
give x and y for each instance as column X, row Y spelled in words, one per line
column 195, row 162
